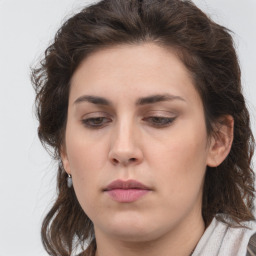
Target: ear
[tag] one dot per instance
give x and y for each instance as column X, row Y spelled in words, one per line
column 221, row 140
column 64, row 158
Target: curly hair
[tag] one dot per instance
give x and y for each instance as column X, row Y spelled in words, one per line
column 208, row 52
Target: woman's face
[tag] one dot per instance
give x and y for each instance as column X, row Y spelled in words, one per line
column 134, row 115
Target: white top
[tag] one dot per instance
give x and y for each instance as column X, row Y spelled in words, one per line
column 221, row 240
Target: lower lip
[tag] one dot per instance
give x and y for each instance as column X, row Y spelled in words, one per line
column 127, row 195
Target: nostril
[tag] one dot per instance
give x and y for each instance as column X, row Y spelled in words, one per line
column 115, row 161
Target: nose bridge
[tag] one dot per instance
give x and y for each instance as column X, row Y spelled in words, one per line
column 124, row 133
column 125, row 145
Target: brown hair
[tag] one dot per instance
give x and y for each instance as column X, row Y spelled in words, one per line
column 206, row 49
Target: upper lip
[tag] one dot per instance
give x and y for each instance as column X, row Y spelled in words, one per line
column 126, row 184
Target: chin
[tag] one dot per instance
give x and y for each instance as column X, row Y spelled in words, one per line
column 134, row 236
column 133, row 230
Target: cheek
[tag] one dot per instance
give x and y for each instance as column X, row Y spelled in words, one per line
column 86, row 160
column 180, row 162
column 85, row 152
column 87, row 157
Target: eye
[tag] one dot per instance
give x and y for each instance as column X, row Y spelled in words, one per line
column 159, row 121
column 96, row 122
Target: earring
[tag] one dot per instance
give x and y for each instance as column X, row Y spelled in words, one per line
column 69, row 181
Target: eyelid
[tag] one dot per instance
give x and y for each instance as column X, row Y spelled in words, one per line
column 95, row 114
column 88, row 119
column 160, row 114
column 159, row 121
column 86, row 122
column 159, row 118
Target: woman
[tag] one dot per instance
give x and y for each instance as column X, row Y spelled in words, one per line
column 141, row 102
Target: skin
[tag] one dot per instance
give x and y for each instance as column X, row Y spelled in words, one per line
column 163, row 145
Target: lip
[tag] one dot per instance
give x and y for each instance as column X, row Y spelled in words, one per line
column 126, row 184
column 126, row 191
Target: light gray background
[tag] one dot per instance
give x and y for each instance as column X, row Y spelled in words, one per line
column 27, row 176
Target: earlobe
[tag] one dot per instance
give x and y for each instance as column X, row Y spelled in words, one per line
column 65, row 160
column 221, row 141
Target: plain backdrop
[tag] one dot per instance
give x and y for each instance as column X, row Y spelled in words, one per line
column 27, row 174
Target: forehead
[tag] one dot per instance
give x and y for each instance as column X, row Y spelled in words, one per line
column 132, row 70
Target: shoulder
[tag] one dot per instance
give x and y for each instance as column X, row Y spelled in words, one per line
column 251, row 248
column 227, row 240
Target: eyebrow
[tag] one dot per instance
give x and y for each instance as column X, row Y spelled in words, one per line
column 93, row 99
column 157, row 98
column 139, row 102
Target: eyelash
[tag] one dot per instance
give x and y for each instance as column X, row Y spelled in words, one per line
column 164, row 121
column 161, row 121
column 88, row 122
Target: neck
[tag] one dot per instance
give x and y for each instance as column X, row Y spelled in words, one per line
column 181, row 241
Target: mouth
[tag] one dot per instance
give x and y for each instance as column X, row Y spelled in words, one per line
column 126, row 191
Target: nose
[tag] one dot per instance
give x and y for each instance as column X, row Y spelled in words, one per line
column 125, row 147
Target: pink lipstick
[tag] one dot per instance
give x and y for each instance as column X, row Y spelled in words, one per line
column 126, row 191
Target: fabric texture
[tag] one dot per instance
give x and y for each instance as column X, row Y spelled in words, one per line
column 219, row 239
column 251, row 248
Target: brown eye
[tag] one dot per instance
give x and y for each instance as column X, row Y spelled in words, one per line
column 160, row 121
column 96, row 122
